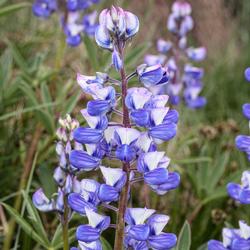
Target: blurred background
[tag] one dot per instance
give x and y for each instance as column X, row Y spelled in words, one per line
column 37, row 86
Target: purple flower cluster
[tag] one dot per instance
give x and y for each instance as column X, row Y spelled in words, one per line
column 135, row 148
column 184, row 78
column 74, row 19
column 233, row 239
column 238, row 239
column 64, row 173
column 124, row 125
column 241, row 193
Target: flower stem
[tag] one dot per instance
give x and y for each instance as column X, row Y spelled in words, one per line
column 122, row 206
column 65, row 224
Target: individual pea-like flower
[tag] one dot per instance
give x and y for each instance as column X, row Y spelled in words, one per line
column 181, row 8
column 104, row 97
column 233, row 239
column 115, row 179
column 44, row 8
column 246, row 110
column 153, row 166
column 91, row 232
column 151, row 60
column 115, row 23
column 152, row 76
column 41, row 201
column 95, row 132
column 191, row 95
column 144, row 230
column 126, row 139
column 247, row 74
column 242, row 142
column 89, row 23
column 196, row 54
column 164, row 46
column 87, row 196
column 241, row 192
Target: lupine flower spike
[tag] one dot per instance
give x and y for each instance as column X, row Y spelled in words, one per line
column 75, row 18
column 238, row 239
column 185, row 80
column 145, row 121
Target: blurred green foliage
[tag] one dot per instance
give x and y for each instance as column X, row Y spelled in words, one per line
column 37, row 86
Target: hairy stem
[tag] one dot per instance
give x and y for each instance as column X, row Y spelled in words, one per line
column 122, row 206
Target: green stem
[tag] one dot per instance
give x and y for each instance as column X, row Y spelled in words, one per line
column 65, row 224
column 123, row 200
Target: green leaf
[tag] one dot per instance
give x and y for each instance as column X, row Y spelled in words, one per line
column 34, row 217
column 184, row 238
column 27, row 228
column 134, row 55
column 57, row 237
column 46, row 97
column 43, row 116
column 58, row 243
column 47, row 183
column 193, row 160
column 20, row 61
column 71, row 103
column 12, row 8
column 216, row 172
column 26, row 110
column 92, row 52
column 5, row 67
column 105, row 244
column 203, row 247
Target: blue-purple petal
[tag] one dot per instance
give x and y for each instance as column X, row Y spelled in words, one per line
column 78, row 203
column 163, row 241
column 215, row 245
column 87, row 135
column 108, row 193
column 87, row 233
column 157, row 176
column 246, row 110
column 139, row 232
column 83, row 161
column 163, row 132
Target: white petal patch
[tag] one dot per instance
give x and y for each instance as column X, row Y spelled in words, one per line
column 93, row 217
column 160, row 221
column 140, row 215
column 158, row 115
column 91, row 120
column 89, row 185
column 132, row 23
column 102, row 37
column 109, row 133
column 144, row 142
column 90, row 148
column 244, row 230
column 245, row 179
column 111, row 175
column 160, row 101
column 227, row 235
column 127, row 135
column 140, row 96
column 152, row 159
column 87, row 246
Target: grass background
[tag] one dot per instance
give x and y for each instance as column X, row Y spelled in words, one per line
column 37, row 86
